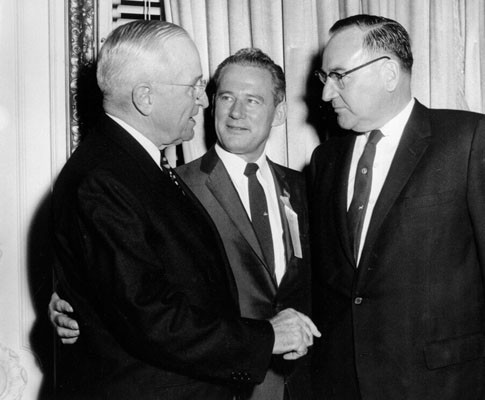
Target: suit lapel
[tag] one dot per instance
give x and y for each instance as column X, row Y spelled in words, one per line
column 220, row 185
column 162, row 186
column 413, row 144
column 283, row 189
column 160, row 182
column 343, row 166
column 129, row 145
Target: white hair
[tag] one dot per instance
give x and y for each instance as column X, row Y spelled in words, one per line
column 131, row 53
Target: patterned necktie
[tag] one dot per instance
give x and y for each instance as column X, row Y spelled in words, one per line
column 167, row 169
column 259, row 214
column 362, row 188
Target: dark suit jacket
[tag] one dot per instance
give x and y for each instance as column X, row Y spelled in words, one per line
column 409, row 323
column 259, row 295
column 146, row 272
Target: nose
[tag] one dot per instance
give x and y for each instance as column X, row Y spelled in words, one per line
column 330, row 90
column 202, row 101
column 237, row 110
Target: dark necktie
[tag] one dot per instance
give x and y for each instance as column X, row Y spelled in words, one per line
column 259, row 214
column 362, row 187
column 167, row 169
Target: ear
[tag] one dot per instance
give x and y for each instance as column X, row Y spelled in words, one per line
column 142, row 97
column 280, row 114
column 392, row 73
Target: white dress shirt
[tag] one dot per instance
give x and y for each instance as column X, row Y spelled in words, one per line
column 385, row 151
column 235, row 167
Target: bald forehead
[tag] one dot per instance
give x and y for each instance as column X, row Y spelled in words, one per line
column 180, row 45
column 184, row 62
column 179, row 52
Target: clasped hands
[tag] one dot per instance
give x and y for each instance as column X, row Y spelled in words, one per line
column 294, row 333
column 293, row 330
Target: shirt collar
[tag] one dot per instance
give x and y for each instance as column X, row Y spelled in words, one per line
column 396, row 125
column 234, row 164
column 147, row 144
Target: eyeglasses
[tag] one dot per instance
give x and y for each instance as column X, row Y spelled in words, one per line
column 198, row 89
column 338, row 77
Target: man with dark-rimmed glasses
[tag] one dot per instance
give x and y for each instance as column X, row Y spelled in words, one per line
column 398, row 231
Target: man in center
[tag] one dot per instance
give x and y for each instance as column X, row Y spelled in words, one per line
column 271, row 269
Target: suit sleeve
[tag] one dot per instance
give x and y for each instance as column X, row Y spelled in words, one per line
column 146, row 312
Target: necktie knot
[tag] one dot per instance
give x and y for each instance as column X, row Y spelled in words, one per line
column 375, row 136
column 167, row 169
column 251, row 169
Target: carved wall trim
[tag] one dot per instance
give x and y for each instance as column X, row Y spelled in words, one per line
column 82, row 17
column 13, row 376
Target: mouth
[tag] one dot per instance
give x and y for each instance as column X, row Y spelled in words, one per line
column 236, row 128
column 195, row 112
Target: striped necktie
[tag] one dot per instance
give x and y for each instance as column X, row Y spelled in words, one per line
column 167, row 169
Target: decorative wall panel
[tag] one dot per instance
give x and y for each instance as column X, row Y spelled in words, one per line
column 82, row 51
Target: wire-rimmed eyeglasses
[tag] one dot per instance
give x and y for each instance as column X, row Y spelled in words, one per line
column 198, row 89
column 338, row 77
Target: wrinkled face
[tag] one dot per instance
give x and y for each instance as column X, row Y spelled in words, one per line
column 177, row 105
column 244, row 110
column 360, row 104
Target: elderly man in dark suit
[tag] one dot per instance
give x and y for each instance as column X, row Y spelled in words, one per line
column 249, row 100
column 398, row 212
column 137, row 255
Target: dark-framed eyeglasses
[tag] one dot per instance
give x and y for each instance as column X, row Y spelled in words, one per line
column 338, row 77
column 198, row 89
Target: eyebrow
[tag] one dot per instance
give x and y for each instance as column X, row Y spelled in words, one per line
column 198, row 79
column 257, row 96
column 335, row 69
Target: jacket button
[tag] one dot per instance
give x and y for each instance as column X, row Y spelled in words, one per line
column 358, row 300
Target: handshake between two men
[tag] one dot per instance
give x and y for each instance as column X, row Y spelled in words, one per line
column 293, row 330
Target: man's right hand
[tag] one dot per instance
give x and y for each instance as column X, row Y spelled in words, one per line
column 67, row 328
column 294, row 333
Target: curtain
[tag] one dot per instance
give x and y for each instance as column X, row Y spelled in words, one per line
column 447, row 38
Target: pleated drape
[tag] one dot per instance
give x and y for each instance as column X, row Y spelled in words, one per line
column 448, row 38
